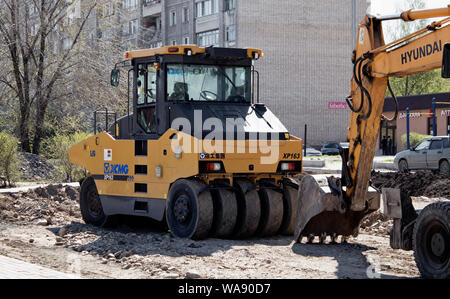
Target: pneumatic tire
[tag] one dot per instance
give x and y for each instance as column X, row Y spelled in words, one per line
column 189, row 209
column 289, row 211
column 431, row 241
column 249, row 209
column 91, row 205
column 403, row 166
column 225, row 213
column 444, row 167
column 271, row 212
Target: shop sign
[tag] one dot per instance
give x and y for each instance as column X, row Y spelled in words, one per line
column 411, row 115
column 337, row 105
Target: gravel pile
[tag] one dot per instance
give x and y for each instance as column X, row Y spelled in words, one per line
column 54, row 204
column 35, row 168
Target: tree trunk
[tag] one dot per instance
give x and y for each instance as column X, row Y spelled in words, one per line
column 24, row 133
column 39, row 127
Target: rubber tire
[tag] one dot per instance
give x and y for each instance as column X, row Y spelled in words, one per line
column 249, row 210
column 445, row 164
column 439, row 211
column 225, row 213
column 201, row 204
column 271, row 212
column 290, row 201
column 403, row 166
column 88, row 188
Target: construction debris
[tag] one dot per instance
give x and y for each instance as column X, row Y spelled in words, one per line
column 420, row 183
column 51, row 205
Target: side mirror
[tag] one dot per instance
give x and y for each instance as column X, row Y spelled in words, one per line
column 115, row 77
column 446, row 62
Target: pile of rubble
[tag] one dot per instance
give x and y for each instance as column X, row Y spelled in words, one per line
column 377, row 224
column 420, row 183
column 130, row 249
column 51, row 205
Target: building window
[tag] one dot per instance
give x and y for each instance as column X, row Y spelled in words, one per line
column 185, row 16
column 208, row 38
column 430, row 126
column 129, row 4
column 231, row 33
column 67, row 43
column 186, row 40
column 173, row 43
column 133, row 26
column 173, row 18
column 34, row 29
column 207, row 7
column 230, row 5
column 150, row 2
column 108, row 9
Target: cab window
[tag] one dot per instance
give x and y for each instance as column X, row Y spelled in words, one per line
column 146, row 97
column 146, row 84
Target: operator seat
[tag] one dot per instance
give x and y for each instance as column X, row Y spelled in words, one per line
column 180, row 92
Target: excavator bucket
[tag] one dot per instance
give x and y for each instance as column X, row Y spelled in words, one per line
column 322, row 211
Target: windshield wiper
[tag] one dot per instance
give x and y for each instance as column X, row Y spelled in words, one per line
column 226, row 76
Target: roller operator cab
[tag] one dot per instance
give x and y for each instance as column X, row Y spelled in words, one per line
column 196, row 148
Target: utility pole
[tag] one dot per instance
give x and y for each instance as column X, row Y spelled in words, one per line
column 353, row 22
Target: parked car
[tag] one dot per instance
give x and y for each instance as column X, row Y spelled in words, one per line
column 430, row 153
column 312, row 152
column 344, row 144
column 330, row 148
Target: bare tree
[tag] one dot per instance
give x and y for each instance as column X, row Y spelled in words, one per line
column 25, row 30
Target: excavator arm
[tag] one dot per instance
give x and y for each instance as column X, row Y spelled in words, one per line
column 339, row 209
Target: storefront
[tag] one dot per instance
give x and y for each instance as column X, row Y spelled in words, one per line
column 420, row 120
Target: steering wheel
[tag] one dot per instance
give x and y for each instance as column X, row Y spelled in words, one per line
column 204, row 95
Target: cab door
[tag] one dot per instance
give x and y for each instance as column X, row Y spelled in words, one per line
column 434, row 154
column 146, row 98
column 418, row 157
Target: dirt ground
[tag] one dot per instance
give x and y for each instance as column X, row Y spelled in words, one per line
column 44, row 227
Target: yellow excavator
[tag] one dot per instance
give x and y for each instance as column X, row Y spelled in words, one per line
column 339, row 211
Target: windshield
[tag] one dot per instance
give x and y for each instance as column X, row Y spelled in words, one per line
column 208, row 83
column 423, row 145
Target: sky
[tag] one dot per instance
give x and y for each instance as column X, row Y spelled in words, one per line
column 390, row 7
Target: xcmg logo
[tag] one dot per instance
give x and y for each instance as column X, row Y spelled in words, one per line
column 115, row 168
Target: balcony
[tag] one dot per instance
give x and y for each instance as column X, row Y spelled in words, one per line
column 151, row 34
column 151, row 8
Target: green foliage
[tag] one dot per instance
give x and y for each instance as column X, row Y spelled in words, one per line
column 422, row 83
column 57, row 147
column 9, row 164
column 414, row 139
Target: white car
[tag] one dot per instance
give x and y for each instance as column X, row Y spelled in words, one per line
column 430, row 153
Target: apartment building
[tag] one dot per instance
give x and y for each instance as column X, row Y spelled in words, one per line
column 306, row 69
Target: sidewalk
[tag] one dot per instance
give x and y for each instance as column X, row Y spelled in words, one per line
column 333, row 164
column 15, row 269
column 29, row 186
